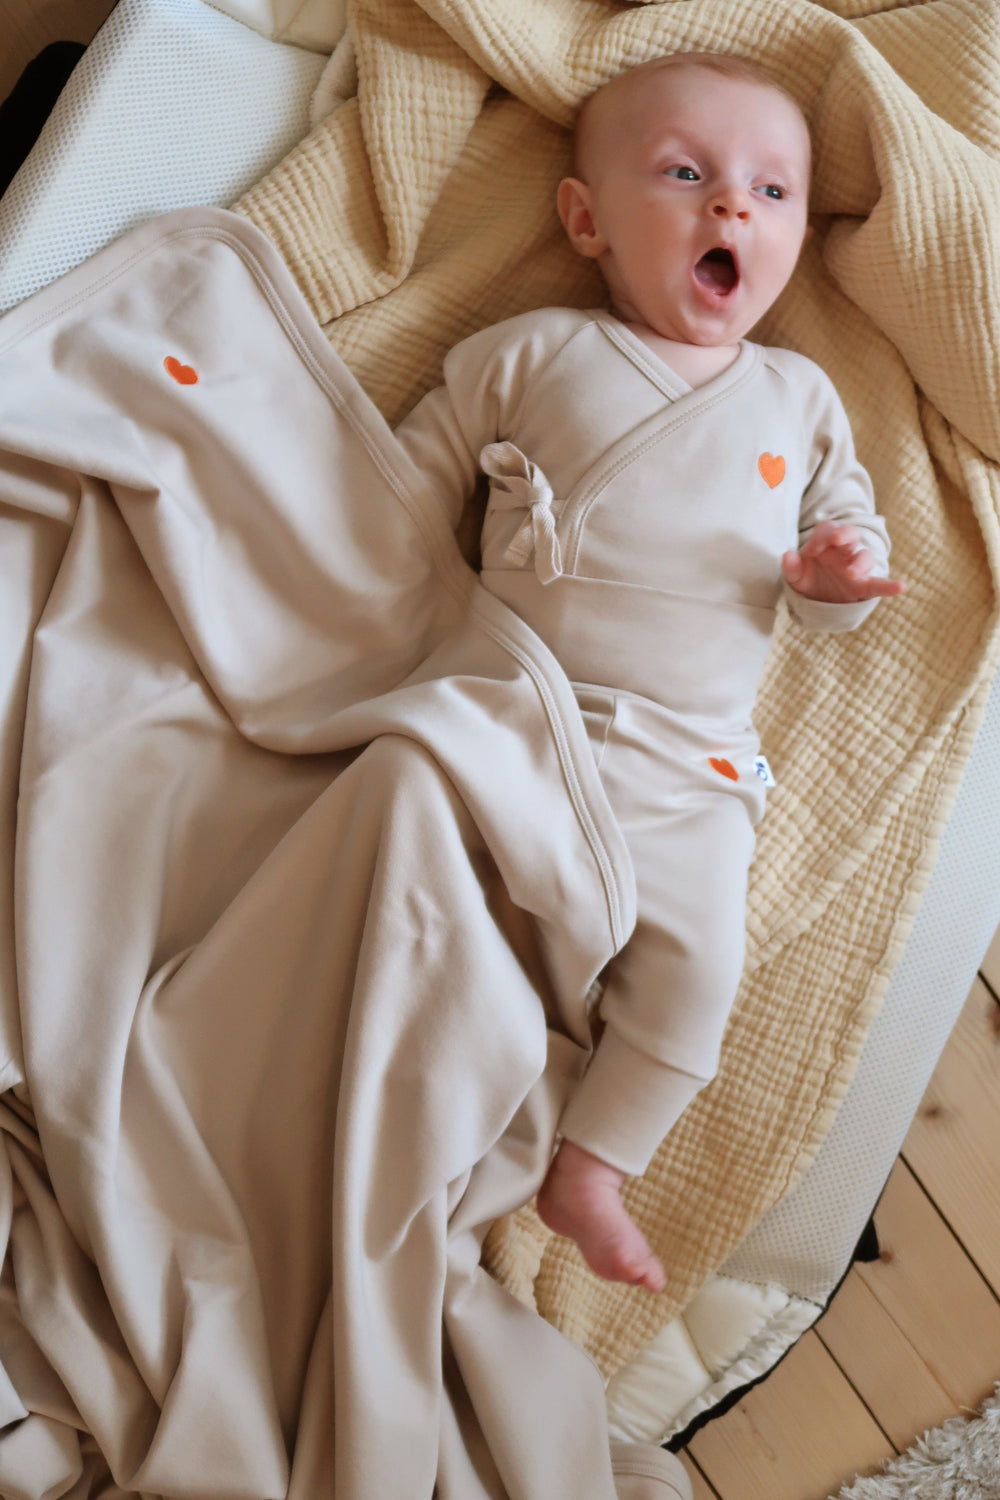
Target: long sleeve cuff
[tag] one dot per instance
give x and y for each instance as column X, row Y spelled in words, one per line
column 625, row 1104
column 816, row 614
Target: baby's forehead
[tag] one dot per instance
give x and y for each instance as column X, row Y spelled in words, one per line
column 653, row 95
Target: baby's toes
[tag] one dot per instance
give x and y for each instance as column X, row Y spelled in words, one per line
column 638, row 1266
column 653, row 1277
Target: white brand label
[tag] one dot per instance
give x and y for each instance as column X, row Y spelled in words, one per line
column 763, row 770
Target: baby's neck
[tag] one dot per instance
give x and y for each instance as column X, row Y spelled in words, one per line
column 695, row 363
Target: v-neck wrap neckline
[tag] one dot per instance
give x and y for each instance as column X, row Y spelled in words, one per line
column 662, row 375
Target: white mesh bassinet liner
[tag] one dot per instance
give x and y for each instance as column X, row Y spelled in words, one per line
column 172, row 105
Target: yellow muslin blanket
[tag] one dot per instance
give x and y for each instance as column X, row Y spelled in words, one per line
column 421, row 209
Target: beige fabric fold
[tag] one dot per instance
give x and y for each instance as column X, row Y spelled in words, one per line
column 282, row 947
column 421, row 210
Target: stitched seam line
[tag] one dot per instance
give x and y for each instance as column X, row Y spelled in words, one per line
column 639, row 358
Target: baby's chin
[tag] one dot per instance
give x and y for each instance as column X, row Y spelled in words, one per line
column 713, row 338
column 712, row 341
column 704, row 332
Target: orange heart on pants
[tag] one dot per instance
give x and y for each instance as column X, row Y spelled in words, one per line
column 724, row 768
column 183, row 374
column 772, row 468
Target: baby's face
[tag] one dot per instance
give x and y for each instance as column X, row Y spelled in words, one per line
column 697, row 187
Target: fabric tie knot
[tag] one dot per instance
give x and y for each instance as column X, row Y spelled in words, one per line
column 518, row 484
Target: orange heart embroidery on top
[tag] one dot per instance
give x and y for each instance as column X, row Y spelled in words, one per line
column 772, row 469
column 724, row 768
column 183, row 374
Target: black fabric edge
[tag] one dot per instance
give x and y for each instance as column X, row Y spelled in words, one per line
column 30, row 102
column 866, row 1250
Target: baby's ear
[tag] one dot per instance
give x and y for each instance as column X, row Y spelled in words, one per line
column 575, row 203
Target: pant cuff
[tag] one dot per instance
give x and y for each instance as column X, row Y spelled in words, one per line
column 625, row 1104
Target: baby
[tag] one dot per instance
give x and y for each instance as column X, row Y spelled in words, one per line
column 657, row 484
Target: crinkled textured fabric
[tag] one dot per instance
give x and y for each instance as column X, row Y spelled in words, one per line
column 421, row 209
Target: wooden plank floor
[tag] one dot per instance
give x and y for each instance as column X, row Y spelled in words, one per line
column 913, row 1338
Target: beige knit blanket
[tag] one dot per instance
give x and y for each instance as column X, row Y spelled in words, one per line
column 422, row 209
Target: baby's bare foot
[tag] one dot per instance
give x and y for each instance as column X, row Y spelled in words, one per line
column 581, row 1199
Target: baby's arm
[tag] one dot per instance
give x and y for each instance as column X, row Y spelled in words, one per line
column 485, row 377
column 840, row 570
column 441, row 446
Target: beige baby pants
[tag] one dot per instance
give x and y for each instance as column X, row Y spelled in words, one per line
column 688, row 798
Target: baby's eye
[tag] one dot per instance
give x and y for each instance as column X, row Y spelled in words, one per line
column 772, row 190
column 684, row 174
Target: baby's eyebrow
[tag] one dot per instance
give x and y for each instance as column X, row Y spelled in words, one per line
column 779, row 162
column 673, row 136
column 669, row 135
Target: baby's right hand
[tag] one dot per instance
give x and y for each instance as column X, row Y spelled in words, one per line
column 833, row 567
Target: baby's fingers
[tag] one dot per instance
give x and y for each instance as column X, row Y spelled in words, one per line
column 859, row 566
column 861, row 572
column 880, row 588
column 828, row 534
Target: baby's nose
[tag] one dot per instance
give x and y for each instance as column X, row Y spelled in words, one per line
column 731, row 206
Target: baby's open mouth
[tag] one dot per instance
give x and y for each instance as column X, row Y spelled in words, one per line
column 717, row 270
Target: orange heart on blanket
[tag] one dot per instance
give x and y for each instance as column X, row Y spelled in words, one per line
column 724, row 768
column 183, row 374
column 772, row 468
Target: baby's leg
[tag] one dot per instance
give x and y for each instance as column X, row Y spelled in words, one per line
column 668, row 991
column 581, row 1198
column 689, row 830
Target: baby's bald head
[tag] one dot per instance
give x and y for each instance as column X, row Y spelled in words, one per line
column 614, row 111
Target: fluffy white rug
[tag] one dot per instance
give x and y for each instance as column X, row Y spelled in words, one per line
column 958, row 1461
